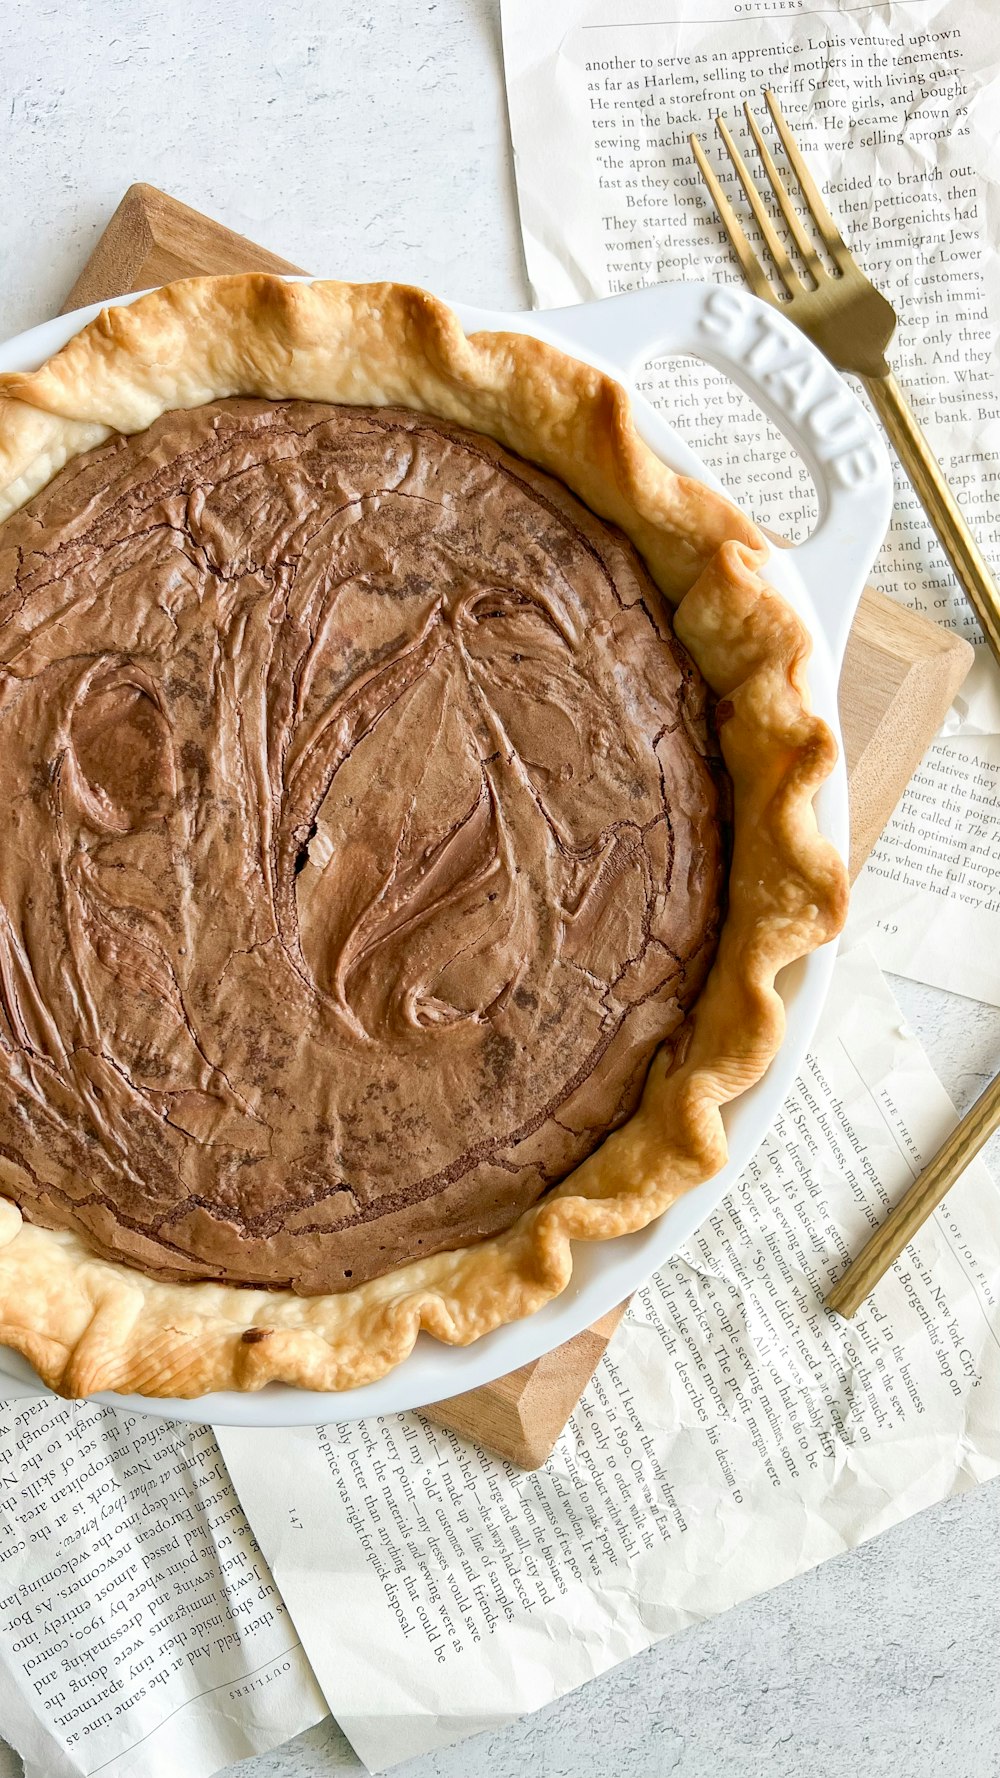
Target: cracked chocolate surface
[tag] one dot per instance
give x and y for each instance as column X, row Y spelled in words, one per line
column 361, row 842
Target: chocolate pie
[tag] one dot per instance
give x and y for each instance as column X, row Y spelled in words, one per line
column 366, row 833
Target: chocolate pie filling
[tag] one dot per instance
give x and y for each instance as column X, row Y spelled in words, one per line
column 360, row 842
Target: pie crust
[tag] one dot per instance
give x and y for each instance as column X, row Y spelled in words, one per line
column 88, row 1323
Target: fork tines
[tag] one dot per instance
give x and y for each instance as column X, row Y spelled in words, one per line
column 826, row 228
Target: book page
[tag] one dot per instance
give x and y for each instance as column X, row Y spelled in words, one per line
column 735, row 1434
column 140, row 1629
column 928, row 898
column 897, row 109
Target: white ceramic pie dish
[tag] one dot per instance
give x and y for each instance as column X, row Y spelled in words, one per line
column 823, row 578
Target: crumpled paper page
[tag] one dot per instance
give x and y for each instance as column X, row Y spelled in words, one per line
column 141, row 1633
column 928, row 899
column 897, row 110
column 735, row 1434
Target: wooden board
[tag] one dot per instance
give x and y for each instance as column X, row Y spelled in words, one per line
column 152, row 239
column 901, row 672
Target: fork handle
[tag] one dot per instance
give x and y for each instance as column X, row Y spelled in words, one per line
column 939, row 503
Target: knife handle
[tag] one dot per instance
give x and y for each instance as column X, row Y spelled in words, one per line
column 917, row 1203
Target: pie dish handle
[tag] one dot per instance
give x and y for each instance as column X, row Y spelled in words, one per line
column 789, row 378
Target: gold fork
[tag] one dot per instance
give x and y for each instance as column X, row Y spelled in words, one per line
column 852, row 323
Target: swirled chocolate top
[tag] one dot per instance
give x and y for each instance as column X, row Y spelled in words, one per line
column 360, row 842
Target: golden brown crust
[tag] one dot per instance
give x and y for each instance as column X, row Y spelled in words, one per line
column 89, row 1324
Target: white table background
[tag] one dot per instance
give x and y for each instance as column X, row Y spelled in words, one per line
column 365, row 140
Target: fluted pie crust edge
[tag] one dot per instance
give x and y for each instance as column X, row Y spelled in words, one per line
column 87, row 1324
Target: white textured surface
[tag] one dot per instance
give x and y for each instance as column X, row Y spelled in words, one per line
column 368, row 140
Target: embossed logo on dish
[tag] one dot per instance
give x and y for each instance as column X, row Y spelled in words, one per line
column 797, row 379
